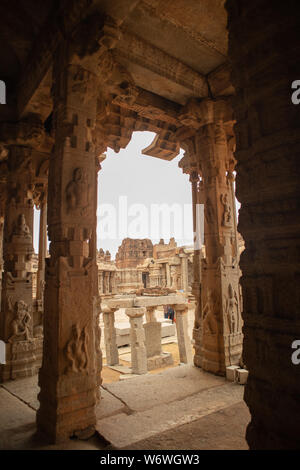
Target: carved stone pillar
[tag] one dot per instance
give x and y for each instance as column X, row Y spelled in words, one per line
column 184, row 273
column 137, row 340
column 1, row 251
column 154, row 275
column 106, row 282
column 267, row 185
column 42, row 248
column 113, row 283
column 218, row 324
column 168, row 275
column 110, row 336
column 70, row 375
column 222, row 322
column 183, row 339
column 100, row 282
column 197, row 283
column 16, row 326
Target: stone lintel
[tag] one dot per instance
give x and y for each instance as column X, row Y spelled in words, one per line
column 157, row 301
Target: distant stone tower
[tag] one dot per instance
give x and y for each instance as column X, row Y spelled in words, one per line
column 132, row 252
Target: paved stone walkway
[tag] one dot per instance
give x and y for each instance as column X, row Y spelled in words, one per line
column 180, row 408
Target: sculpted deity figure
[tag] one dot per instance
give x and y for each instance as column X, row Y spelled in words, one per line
column 232, row 310
column 76, row 350
column 21, row 227
column 227, row 211
column 209, row 319
column 21, row 323
column 77, row 191
column 209, row 211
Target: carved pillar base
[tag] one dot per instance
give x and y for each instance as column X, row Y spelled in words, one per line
column 222, row 339
column 23, row 359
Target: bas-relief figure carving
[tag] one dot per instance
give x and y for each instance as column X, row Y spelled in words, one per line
column 76, row 350
column 21, row 228
column 232, row 310
column 227, row 216
column 20, row 325
column 210, row 324
column 209, row 211
column 77, row 192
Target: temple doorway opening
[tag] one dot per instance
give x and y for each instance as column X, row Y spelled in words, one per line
column 145, row 261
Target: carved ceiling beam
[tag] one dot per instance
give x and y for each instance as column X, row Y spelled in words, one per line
column 162, row 11
column 138, row 51
column 152, row 106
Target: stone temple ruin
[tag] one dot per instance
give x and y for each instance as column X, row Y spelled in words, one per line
column 212, row 77
column 140, row 264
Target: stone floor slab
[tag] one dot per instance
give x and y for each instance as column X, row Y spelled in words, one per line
column 222, row 430
column 121, row 368
column 17, row 421
column 149, row 390
column 124, row 430
column 109, row 405
column 26, row 389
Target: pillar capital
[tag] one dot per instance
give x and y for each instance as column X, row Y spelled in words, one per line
column 198, row 113
column 135, row 312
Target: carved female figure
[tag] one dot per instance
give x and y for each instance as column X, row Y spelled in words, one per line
column 227, row 211
column 21, row 323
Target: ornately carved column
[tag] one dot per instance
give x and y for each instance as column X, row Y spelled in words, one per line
column 16, row 326
column 217, row 332
column 221, row 313
column 184, row 273
column 42, row 247
column 70, row 375
column 197, row 283
column 2, row 213
column 268, row 147
column 1, row 252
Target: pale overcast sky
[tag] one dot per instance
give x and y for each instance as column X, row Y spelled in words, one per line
column 131, row 190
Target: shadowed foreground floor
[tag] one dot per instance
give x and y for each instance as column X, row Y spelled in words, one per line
column 180, row 408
